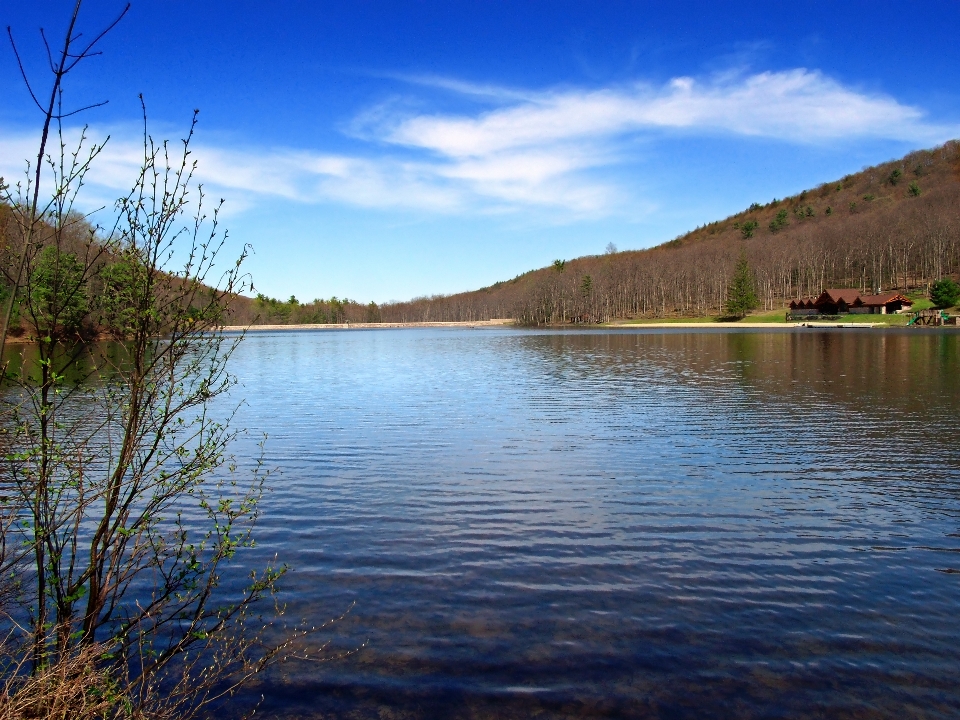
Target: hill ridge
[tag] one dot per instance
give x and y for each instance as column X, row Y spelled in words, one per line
column 894, row 225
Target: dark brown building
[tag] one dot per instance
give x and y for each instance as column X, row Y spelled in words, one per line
column 846, row 300
column 885, row 303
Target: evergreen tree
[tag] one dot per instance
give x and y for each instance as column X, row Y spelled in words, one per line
column 741, row 296
column 586, row 285
column 945, row 293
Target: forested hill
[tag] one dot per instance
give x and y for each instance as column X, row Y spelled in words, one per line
column 892, row 226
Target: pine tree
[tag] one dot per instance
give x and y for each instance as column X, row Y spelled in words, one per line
column 741, row 296
column 944, row 293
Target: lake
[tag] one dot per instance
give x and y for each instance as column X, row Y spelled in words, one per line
column 613, row 523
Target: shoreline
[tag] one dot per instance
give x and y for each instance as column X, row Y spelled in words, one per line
column 508, row 322
column 499, row 322
column 718, row 325
column 15, row 340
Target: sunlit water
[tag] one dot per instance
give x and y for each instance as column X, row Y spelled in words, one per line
column 613, row 524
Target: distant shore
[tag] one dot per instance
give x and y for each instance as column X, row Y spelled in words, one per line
column 508, row 322
column 505, row 322
column 499, row 322
column 701, row 325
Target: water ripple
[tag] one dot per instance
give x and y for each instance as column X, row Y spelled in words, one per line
column 616, row 524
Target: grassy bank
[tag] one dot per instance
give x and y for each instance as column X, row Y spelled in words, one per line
column 779, row 316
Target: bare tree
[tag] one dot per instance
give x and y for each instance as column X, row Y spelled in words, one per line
column 123, row 512
column 898, row 241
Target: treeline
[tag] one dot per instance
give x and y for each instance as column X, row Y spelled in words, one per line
column 892, row 226
column 895, row 226
column 71, row 285
column 265, row 310
column 76, row 285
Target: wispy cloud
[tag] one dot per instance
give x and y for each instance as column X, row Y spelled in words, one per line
column 484, row 91
column 533, row 150
column 796, row 106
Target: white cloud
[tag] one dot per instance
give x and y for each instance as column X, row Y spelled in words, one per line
column 796, row 106
column 534, row 150
column 483, row 91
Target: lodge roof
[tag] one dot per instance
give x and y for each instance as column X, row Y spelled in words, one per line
column 835, row 296
column 883, row 299
column 849, row 297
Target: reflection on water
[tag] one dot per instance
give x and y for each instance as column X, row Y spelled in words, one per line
column 77, row 363
column 616, row 524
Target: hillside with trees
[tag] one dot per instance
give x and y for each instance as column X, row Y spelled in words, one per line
column 894, row 226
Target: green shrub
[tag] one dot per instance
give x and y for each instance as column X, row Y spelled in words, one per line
column 914, row 189
column 779, row 222
column 944, row 293
column 895, row 177
column 125, row 294
column 58, row 293
column 747, row 228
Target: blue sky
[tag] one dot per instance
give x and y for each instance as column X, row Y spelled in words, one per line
column 383, row 150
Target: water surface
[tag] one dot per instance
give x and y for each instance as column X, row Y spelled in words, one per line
column 614, row 523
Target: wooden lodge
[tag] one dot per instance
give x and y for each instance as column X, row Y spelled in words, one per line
column 843, row 301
